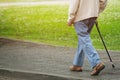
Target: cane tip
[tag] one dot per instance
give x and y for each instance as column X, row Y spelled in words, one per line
column 113, row 66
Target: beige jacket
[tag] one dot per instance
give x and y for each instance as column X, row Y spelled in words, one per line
column 83, row 9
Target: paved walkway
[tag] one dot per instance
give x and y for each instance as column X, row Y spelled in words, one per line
column 22, row 60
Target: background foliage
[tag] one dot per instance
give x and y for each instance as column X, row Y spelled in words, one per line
column 47, row 24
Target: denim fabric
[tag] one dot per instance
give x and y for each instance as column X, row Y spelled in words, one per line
column 85, row 47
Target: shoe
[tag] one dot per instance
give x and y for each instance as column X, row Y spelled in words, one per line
column 97, row 69
column 76, row 68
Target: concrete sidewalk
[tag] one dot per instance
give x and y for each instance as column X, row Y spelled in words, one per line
column 22, row 60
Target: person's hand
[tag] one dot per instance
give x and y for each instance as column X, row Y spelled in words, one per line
column 69, row 23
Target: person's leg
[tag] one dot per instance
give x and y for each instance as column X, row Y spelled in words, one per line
column 79, row 56
column 85, row 46
column 89, row 23
column 96, row 65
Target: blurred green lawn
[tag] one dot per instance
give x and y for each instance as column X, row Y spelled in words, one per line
column 22, row 0
column 47, row 24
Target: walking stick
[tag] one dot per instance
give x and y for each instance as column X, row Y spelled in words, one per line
column 96, row 23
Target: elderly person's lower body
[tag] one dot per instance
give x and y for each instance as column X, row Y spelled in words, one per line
column 85, row 48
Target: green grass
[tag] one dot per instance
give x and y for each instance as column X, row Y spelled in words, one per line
column 110, row 26
column 22, row 0
column 47, row 24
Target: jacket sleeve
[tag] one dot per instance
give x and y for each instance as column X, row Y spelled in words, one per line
column 102, row 5
column 73, row 7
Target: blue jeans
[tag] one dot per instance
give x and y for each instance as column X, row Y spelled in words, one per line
column 85, row 47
